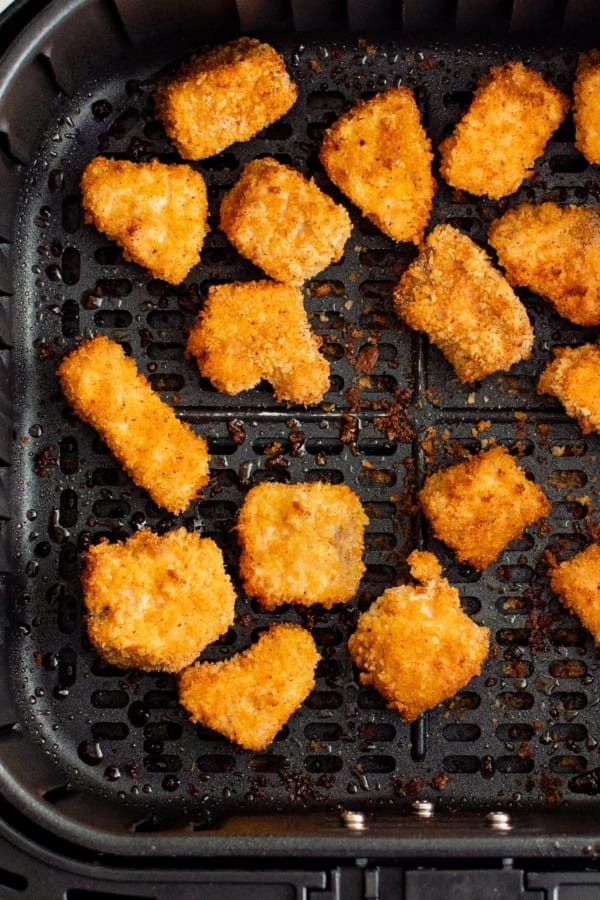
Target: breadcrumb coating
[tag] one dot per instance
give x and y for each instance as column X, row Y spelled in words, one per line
column 574, row 378
column 586, row 113
column 301, row 543
column 379, row 155
column 577, row 583
column 157, row 213
column 478, row 507
column 160, row 453
column 554, row 251
column 155, row 603
column 415, row 644
column 282, row 222
column 509, row 122
column 259, row 329
column 452, row 292
column 251, row 696
column 226, row 95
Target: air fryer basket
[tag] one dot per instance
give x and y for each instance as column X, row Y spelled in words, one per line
column 106, row 758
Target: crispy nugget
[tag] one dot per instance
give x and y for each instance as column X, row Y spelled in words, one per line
column 156, row 213
column 452, row 292
column 577, row 583
column 160, row 453
column 509, row 122
column 250, row 697
column 574, row 377
column 301, row 543
column 379, row 155
column 282, row 222
column 554, row 251
column 479, row 506
column 586, row 113
column 415, row 644
column 155, row 603
column 225, row 95
column 259, row 329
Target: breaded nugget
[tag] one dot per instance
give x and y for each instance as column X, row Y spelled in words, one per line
column 554, row 251
column 156, row 213
column 259, row 329
column 379, row 155
column 155, row 603
column 301, row 543
column 225, row 95
column 452, row 292
column 282, row 222
column 509, row 122
column 577, row 583
column 574, row 377
column 479, row 506
column 586, row 113
column 160, row 453
column 415, row 644
column 249, row 697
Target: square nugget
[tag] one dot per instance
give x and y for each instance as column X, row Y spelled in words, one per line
column 478, row 507
column 577, row 583
column 573, row 377
column 586, row 113
column 282, row 222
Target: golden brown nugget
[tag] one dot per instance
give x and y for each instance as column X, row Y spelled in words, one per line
column 160, row 453
column 251, row 696
column 468, row 309
column 225, row 95
column 586, row 112
column 478, row 507
column 259, row 329
column 554, row 251
column 282, row 222
column 379, row 155
column 301, row 543
column 155, row 603
column 155, row 212
column 574, row 378
column 509, row 122
column 415, row 645
column 577, row 583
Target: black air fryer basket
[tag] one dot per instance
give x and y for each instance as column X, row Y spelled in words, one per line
column 98, row 763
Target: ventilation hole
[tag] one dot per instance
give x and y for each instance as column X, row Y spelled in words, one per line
column 369, row 698
column 569, row 510
column 323, row 764
column 375, row 447
column 568, row 765
column 515, row 732
column 113, row 287
column 377, row 321
column 514, row 765
column 218, row 256
column 518, row 669
column 511, row 606
column 328, row 636
column 566, row 701
column 568, row 732
column 376, row 731
column 379, row 476
column 379, row 542
column 167, row 762
column 215, row 762
column 324, row 700
column 67, row 508
column 461, row 765
column 59, row 793
column 332, row 350
column 71, row 213
column 372, row 257
column 165, row 319
column 70, row 318
column 110, row 731
column 564, row 479
column 271, row 447
column 516, row 699
column 217, row 510
column 323, row 731
column 109, row 508
column 13, row 881
column 113, row 318
column 109, row 477
column 269, row 762
column 568, row 668
column 69, row 456
column 470, row 605
column 376, row 765
column 71, row 265
column 161, row 700
column 464, row 223
column 336, row 384
column 569, row 448
column 164, row 350
column 380, row 574
column 326, row 476
column 569, row 637
column 382, row 510
column 224, row 162
column 570, row 163
column 514, row 574
column 109, row 256
column 321, row 101
column 327, row 446
column 109, row 699
column 167, row 381
column 515, row 636
column 464, row 700
column 68, row 562
column 376, row 290
column 461, row 731
column 280, row 476
column 329, row 669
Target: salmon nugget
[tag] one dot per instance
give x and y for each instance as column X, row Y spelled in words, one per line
column 379, row 155
column 479, row 506
column 156, row 213
column 282, row 222
column 577, row 583
column 452, row 292
column 155, row 603
column 160, row 453
column 259, row 329
column 586, row 113
column 251, row 696
column 225, row 95
column 574, row 378
column 415, row 644
column 509, row 122
column 554, row 251
column 301, row 543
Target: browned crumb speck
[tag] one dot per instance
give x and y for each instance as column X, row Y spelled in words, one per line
column 259, row 329
column 574, row 377
column 577, row 582
column 415, row 644
column 249, row 697
column 479, row 506
column 157, row 213
column 452, row 292
column 379, row 155
column 496, row 143
column 586, row 113
column 160, row 453
column 225, row 95
column 155, row 603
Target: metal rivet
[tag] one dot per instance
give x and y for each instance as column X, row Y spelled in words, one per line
column 355, row 821
column 422, row 808
column 499, row 821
